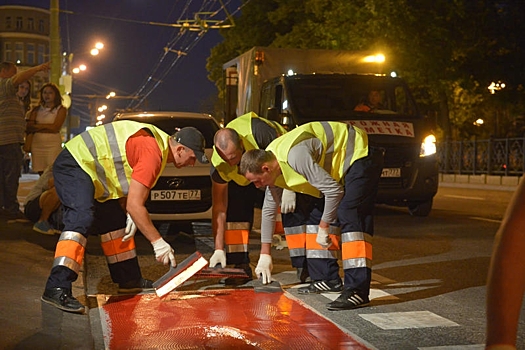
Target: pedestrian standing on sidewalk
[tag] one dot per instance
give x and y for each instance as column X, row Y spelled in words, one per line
column 45, row 122
column 234, row 197
column 92, row 174
column 12, row 127
column 333, row 163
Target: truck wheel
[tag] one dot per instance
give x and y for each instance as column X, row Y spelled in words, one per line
column 420, row 208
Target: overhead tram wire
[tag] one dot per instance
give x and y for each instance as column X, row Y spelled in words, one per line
column 183, row 26
column 153, row 81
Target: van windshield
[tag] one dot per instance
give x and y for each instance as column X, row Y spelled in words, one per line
column 335, row 97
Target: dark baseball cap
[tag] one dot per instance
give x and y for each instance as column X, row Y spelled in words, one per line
column 192, row 138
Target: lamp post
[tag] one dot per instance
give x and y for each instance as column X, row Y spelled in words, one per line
column 66, row 80
column 493, row 87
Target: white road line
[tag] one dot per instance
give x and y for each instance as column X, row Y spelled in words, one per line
column 464, row 197
column 407, row 320
column 484, row 219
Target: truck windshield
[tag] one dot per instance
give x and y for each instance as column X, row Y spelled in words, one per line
column 336, row 97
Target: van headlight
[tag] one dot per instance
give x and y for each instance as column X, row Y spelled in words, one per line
column 428, row 146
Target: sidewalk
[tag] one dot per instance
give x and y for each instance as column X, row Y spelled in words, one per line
column 26, row 258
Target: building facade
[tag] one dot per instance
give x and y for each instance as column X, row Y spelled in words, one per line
column 24, row 40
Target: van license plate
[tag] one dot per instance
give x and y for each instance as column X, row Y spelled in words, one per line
column 175, row 195
column 391, row 172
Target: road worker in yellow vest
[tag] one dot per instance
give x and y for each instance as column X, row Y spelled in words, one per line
column 332, row 164
column 234, row 197
column 93, row 173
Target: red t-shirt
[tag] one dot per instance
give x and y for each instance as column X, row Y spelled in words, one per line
column 144, row 157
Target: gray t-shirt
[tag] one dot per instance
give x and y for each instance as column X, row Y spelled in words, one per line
column 303, row 158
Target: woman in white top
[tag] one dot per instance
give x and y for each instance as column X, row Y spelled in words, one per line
column 50, row 115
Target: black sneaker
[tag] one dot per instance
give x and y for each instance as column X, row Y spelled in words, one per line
column 318, row 287
column 63, row 299
column 302, row 274
column 142, row 285
column 348, row 300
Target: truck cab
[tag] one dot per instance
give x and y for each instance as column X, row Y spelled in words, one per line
column 379, row 104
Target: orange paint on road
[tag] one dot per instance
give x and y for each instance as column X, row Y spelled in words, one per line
column 217, row 319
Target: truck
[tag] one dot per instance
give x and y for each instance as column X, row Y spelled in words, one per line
column 297, row 86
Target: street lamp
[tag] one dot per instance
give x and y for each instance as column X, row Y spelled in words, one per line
column 66, row 80
column 493, row 87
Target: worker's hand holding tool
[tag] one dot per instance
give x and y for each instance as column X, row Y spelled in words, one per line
column 323, row 239
column 130, row 230
column 264, row 268
column 164, row 252
column 287, row 202
column 218, row 257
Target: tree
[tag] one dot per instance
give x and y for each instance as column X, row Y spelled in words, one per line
column 448, row 51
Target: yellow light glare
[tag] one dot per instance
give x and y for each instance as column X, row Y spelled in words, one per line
column 377, row 58
column 99, row 45
column 94, row 52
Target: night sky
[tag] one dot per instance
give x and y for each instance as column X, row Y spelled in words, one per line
column 133, row 49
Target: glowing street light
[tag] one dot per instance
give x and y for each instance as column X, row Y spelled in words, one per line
column 493, row 87
column 478, row 122
column 110, row 95
column 79, row 69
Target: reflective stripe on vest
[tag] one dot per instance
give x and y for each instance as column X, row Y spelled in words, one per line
column 70, row 250
column 114, row 249
column 357, row 250
column 101, row 153
column 342, row 145
column 315, row 251
column 243, row 126
column 236, row 237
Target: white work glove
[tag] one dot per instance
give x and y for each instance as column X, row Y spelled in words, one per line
column 264, row 268
column 323, row 239
column 164, row 252
column 287, row 202
column 130, row 230
column 218, row 257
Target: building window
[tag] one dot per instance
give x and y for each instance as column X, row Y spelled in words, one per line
column 31, row 24
column 8, row 52
column 41, row 26
column 41, row 54
column 30, row 48
column 19, row 53
column 19, row 23
column 8, row 22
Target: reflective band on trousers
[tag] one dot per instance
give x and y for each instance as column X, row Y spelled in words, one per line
column 114, row 249
column 315, row 251
column 356, row 250
column 296, row 240
column 70, row 250
column 236, row 237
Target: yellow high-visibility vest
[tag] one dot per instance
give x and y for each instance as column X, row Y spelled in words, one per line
column 101, row 153
column 243, row 126
column 342, row 145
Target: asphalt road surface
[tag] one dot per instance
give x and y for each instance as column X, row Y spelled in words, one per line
column 429, row 274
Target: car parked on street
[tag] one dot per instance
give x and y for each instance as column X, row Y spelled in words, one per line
column 180, row 194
